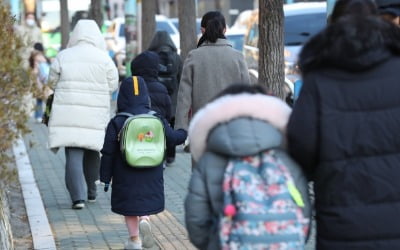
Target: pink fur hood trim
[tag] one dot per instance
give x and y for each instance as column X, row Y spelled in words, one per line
column 263, row 107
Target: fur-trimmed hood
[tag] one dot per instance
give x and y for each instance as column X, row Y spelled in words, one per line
column 353, row 43
column 220, row 124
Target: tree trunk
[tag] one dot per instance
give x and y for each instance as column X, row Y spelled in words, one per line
column 271, row 60
column 187, row 26
column 223, row 6
column 218, row 5
column 65, row 25
column 149, row 9
column 95, row 12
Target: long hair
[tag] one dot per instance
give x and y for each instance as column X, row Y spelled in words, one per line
column 353, row 7
column 352, row 43
column 214, row 24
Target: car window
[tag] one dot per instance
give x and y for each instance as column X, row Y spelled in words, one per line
column 198, row 26
column 299, row 28
column 162, row 25
column 252, row 38
column 175, row 22
column 121, row 30
column 236, row 41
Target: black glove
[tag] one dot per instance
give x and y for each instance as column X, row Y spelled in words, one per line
column 106, row 185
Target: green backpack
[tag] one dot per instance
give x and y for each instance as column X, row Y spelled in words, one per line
column 142, row 140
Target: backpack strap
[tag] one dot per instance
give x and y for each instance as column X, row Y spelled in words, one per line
column 124, row 114
column 135, row 85
column 151, row 112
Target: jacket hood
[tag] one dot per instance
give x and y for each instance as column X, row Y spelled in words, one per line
column 219, row 125
column 353, row 43
column 130, row 102
column 384, row 3
column 87, row 31
column 146, row 65
column 162, row 39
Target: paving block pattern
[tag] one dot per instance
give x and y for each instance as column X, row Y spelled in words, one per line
column 95, row 226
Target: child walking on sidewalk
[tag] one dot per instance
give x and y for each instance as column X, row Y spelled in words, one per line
column 136, row 192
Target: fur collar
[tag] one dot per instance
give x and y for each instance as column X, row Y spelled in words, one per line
column 353, row 43
column 263, row 107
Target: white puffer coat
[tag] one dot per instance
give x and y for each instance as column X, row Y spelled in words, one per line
column 85, row 76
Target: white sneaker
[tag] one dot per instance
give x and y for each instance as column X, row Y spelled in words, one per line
column 145, row 233
column 78, row 204
column 133, row 245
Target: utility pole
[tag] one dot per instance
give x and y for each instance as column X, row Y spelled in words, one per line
column 65, row 29
column 131, row 33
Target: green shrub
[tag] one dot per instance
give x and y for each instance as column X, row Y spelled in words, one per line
column 14, row 87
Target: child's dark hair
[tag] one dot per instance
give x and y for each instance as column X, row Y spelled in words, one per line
column 241, row 88
column 39, row 47
column 214, row 24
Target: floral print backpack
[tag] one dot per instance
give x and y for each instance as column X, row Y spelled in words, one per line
column 262, row 206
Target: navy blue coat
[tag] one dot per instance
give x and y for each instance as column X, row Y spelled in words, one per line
column 135, row 192
column 146, row 65
column 345, row 132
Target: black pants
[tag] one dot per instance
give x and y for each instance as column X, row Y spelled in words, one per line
column 171, row 151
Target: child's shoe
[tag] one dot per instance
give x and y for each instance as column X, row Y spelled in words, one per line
column 78, row 204
column 145, row 233
column 133, row 245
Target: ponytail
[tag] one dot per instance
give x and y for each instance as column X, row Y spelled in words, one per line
column 214, row 24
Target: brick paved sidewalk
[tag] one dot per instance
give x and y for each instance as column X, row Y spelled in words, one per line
column 96, row 227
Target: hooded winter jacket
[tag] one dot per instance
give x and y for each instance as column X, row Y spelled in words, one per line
column 85, row 76
column 135, row 191
column 231, row 126
column 163, row 42
column 146, row 65
column 208, row 70
column 344, row 131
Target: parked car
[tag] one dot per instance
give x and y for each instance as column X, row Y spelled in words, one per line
column 242, row 20
column 302, row 20
column 236, row 38
column 175, row 22
column 116, row 32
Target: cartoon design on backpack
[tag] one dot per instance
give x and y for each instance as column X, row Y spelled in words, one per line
column 262, row 206
column 142, row 139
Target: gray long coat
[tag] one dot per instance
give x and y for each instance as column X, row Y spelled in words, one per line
column 238, row 130
column 207, row 70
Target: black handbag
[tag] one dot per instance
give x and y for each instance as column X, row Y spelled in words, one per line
column 47, row 111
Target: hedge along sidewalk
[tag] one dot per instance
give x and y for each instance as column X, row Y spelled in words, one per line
column 42, row 235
